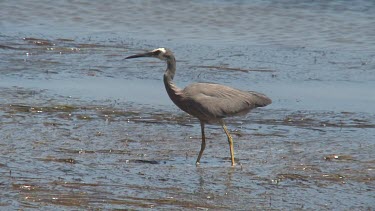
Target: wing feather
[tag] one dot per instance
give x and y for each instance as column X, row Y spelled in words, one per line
column 213, row 101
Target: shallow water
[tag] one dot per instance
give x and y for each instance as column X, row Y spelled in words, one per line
column 81, row 128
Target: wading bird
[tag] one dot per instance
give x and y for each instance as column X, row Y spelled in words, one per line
column 208, row 102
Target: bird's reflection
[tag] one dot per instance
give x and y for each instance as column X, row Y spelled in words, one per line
column 209, row 177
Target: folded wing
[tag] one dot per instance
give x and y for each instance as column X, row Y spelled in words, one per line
column 209, row 101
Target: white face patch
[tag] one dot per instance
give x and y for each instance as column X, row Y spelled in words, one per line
column 160, row 49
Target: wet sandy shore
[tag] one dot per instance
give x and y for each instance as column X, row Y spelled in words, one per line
column 80, row 128
column 67, row 152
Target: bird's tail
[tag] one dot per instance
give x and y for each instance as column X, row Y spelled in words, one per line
column 260, row 100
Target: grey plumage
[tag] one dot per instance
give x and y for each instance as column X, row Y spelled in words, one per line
column 208, row 102
column 211, row 102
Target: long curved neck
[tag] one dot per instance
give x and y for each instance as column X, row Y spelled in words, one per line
column 172, row 90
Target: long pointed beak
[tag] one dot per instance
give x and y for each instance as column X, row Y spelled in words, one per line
column 148, row 54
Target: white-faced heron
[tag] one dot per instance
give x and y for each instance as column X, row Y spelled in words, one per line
column 208, row 102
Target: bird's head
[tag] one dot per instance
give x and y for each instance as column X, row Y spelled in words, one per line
column 160, row 53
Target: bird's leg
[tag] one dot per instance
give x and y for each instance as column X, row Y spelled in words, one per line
column 203, row 145
column 230, row 141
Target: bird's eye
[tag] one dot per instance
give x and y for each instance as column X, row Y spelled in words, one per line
column 157, row 52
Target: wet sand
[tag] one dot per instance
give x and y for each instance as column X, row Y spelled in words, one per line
column 65, row 152
column 83, row 129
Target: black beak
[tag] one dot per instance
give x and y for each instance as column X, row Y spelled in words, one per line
column 148, row 54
